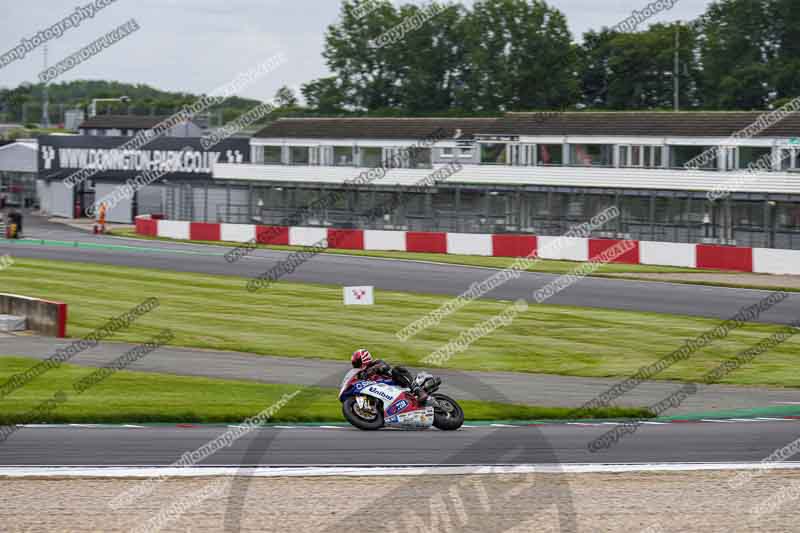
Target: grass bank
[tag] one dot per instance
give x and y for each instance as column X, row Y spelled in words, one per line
column 130, row 397
column 306, row 320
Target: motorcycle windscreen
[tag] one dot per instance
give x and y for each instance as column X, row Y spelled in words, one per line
column 346, row 380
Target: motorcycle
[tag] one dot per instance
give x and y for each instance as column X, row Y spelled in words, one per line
column 371, row 405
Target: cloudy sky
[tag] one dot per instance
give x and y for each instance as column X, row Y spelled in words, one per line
column 199, row 45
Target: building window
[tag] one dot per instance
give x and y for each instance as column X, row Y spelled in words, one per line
column 592, row 155
column 493, row 153
column 420, row 158
column 343, row 156
column 447, row 152
column 272, row 155
column 640, row 156
column 371, row 157
column 790, row 158
column 550, row 154
column 299, row 155
column 699, row 157
column 755, row 157
column 465, row 153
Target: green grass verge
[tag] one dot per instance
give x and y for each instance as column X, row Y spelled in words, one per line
column 131, row 397
column 305, row 320
column 546, row 266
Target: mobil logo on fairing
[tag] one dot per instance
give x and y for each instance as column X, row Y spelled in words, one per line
column 381, row 393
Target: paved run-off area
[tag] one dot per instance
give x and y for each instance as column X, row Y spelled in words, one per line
column 630, row 502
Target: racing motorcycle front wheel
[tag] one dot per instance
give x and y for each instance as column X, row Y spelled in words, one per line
column 447, row 414
column 362, row 412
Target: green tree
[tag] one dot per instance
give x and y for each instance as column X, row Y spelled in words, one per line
column 367, row 73
column 641, row 64
column 520, row 56
column 324, row 95
column 784, row 16
column 285, row 97
column 735, row 51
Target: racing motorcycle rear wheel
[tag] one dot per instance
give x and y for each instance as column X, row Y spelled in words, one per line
column 447, row 415
column 361, row 418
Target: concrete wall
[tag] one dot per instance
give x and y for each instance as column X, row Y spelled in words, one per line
column 62, row 200
column 122, row 211
column 45, row 317
column 19, row 157
column 43, row 194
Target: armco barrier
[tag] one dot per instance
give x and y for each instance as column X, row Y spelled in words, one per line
column 423, row 242
column 237, row 232
column 347, row 239
column 771, row 261
column 564, row 248
column 724, row 258
column 384, row 240
column 598, row 246
column 513, row 245
column 704, row 256
column 146, row 226
column 469, row 244
column 277, row 235
column 668, row 254
column 306, row 236
column 42, row 316
column 201, row 231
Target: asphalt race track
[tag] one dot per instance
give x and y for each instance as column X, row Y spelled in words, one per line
column 400, row 275
column 726, row 442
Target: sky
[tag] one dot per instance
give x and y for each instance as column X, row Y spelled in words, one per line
column 197, row 46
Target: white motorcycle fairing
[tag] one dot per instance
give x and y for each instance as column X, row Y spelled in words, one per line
column 391, row 396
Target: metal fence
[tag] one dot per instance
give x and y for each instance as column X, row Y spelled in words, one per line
column 645, row 215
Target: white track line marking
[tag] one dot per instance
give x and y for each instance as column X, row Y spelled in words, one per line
column 775, row 419
column 718, row 421
column 131, row 426
column 331, row 427
column 145, row 472
column 656, row 423
column 502, row 426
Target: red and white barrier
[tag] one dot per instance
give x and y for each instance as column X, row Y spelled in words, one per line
column 738, row 259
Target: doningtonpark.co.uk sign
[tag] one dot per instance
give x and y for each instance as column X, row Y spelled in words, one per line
column 168, row 155
column 190, row 161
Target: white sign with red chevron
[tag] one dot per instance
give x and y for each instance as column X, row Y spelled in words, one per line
column 359, row 296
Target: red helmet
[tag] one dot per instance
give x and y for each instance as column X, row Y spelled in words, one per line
column 361, row 358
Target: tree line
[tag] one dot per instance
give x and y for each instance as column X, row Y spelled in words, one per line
column 505, row 55
column 509, row 55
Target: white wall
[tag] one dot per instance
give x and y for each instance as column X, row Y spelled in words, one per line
column 564, row 248
column 174, row 229
column 769, row 261
column 237, row 232
column 668, row 254
column 62, row 200
column 384, row 240
column 306, row 236
column 469, row 244
column 43, row 194
column 121, row 211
